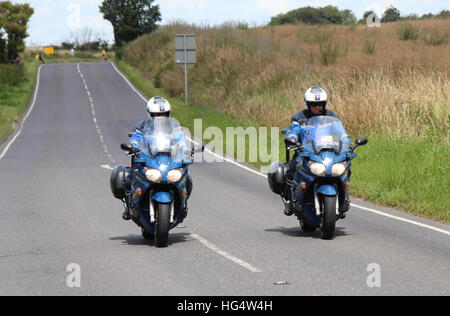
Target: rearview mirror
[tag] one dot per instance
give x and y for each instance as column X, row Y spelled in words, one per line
column 126, row 147
column 290, row 142
column 197, row 149
column 361, row 141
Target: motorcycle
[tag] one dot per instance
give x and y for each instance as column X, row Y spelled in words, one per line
column 317, row 192
column 157, row 201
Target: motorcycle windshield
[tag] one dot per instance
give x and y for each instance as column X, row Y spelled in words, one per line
column 164, row 135
column 326, row 132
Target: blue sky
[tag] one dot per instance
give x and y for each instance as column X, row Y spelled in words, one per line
column 55, row 20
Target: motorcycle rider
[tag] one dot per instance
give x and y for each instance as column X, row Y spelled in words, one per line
column 316, row 100
column 156, row 107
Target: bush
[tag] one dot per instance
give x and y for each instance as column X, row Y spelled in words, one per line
column 369, row 47
column 12, row 74
column 407, row 32
column 436, row 38
column 329, row 52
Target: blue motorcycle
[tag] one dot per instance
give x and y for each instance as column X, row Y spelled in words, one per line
column 317, row 192
column 157, row 200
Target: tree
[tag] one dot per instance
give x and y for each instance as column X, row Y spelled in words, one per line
column 444, row 14
column 310, row 15
column 391, row 15
column 331, row 14
column 348, row 17
column 130, row 18
column 14, row 19
column 3, row 56
column 428, row 16
column 3, row 53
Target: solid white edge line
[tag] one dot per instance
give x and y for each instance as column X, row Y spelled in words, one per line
column 36, row 90
column 402, row 219
column 265, row 176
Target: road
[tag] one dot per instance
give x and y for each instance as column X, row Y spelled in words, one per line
column 56, row 209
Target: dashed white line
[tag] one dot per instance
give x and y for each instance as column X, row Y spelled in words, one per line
column 94, row 117
column 234, row 259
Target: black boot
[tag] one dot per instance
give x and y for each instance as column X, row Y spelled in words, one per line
column 287, row 199
column 126, row 216
column 288, row 209
column 184, row 212
column 346, row 206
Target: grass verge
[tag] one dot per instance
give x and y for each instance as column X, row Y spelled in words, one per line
column 15, row 95
column 410, row 175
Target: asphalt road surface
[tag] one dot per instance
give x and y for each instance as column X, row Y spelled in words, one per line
column 61, row 231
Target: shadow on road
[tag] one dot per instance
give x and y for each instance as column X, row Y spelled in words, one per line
column 138, row 240
column 298, row 232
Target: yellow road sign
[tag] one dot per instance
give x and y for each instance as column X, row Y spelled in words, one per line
column 49, row 50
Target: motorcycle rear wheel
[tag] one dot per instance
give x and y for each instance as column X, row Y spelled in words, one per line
column 328, row 220
column 162, row 225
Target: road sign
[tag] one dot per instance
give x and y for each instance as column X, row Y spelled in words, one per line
column 185, row 49
column 185, row 54
column 49, row 50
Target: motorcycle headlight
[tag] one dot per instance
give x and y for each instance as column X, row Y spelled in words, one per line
column 153, row 175
column 174, row 176
column 338, row 169
column 318, row 169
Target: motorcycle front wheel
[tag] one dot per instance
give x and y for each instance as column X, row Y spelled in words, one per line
column 162, row 225
column 328, row 217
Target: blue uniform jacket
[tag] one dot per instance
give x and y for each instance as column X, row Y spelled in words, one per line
column 138, row 134
column 300, row 119
column 135, row 140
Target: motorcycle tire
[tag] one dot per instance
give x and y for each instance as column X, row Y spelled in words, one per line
column 328, row 220
column 162, row 225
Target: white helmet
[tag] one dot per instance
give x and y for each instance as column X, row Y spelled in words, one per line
column 316, row 96
column 158, row 106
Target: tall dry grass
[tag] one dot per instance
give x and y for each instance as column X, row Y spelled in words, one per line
column 377, row 82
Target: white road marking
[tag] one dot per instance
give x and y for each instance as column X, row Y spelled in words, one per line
column 236, row 260
column 443, row 231
column 25, row 117
column 107, row 167
column 94, row 118
column 265, row 176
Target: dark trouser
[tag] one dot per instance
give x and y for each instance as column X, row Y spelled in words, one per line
column 296, row 161
column 189, row 185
